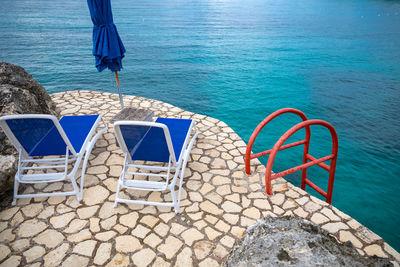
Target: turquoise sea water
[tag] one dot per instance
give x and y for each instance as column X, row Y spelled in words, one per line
column 239, row 61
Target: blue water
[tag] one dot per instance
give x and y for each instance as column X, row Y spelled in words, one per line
column 239, row 61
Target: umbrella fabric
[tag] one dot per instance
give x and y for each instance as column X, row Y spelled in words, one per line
column 107, row 45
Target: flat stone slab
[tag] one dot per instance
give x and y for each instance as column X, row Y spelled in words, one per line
column 291, row 241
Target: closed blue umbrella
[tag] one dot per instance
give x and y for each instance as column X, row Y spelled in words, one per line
column 108, row 48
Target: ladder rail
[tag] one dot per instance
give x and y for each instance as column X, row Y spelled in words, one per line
column 262, row 124
column 300, row 167
column 308, row 160
column 267, row 152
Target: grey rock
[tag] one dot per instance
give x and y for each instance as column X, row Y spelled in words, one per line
column 8, row 165
column 292, row 241
column 20, row 93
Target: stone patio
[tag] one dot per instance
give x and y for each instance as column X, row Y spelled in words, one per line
column 219, row 201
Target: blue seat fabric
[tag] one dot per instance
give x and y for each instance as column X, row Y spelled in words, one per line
column 77, row 128
column 40, row 137
column 153, row 145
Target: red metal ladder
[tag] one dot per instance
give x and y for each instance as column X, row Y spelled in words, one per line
column 308, row 160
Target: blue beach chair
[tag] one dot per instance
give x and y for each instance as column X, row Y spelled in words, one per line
column 165, row 141
column 44, row 143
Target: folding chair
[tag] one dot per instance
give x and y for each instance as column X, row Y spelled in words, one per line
column 44, row 143
column 167, row 141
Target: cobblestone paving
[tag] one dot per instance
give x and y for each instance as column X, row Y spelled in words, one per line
column 218, row 203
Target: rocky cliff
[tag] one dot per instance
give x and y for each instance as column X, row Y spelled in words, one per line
column 20, row 93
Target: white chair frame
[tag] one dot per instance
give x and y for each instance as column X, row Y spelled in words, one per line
column 173, row 165
column 25, row 161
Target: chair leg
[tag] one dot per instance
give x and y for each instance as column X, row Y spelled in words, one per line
column 182, row 175
column 179, row 191
column 74, row 185
column 16, row 186
column 87, row 155
column 176, row 206
column 182, row 172
column 85, row 161
column 80, row 190
column 116, row 195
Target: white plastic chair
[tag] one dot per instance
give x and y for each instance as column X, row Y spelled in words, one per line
column 167, row 140
column 44, row 143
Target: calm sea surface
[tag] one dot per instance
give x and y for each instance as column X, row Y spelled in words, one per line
column 238, row 61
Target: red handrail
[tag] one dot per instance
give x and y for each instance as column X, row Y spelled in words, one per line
column 249, row 157
column 279, row 145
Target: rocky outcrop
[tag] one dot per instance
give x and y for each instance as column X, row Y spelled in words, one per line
column 292, row 241
column 20, row 93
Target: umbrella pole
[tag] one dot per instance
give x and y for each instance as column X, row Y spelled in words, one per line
column 119, row 90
